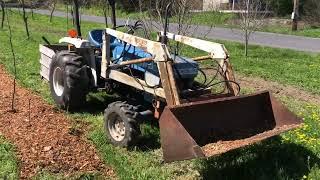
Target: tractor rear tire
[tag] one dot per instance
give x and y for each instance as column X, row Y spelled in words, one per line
column 121, row 124
column 69, row 80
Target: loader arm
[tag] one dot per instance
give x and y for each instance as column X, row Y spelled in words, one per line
column 215, row 51
column 161, row 57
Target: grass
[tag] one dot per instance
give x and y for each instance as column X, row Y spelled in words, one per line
column 283, row 157
column 284, row 66
column 8, row 163
column 209, row 18
column 305, row 31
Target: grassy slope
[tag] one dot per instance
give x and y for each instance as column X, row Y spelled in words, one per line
column 8, row 162
column 209, row 19
column 292, row 160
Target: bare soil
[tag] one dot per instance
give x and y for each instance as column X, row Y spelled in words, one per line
column 279, row 89
column 43, row 136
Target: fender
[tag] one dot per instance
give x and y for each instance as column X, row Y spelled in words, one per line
column 77, row 42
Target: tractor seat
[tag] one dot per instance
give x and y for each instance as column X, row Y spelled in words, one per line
column 95, row 38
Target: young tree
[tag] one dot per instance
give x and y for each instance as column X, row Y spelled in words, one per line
column 153, row 14
column 25, row 19
column 252, row 16
column 53, row 8
column 3, row 13
column 14, row 65
column 180, row 10
column 105, row 11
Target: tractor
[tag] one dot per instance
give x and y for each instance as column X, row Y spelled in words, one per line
column 194, row 122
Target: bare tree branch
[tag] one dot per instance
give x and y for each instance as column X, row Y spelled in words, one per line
column 152, row 13
column 252, row 15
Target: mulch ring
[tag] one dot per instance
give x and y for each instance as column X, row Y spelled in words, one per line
column 42, row 136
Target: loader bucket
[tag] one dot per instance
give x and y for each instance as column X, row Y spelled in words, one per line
column 215, row 126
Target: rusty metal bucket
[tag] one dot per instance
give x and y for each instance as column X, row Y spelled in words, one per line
column 207, row 128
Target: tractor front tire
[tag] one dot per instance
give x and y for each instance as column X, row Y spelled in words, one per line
column 69, row 80
column 121, row 124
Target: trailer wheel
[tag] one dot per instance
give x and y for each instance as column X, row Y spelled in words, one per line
column 121, row 124
column 69, row 80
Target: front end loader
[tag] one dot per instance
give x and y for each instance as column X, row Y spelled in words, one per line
column 194, row 121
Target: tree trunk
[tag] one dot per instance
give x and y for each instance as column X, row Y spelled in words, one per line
column 52, row 10
column 72, row 15
column 105, row 16
column 247, row 28
column 246, row 43
column 67, row 7
column 32, row 14
column 3, row 13
column 77, row 17
column 25, row 19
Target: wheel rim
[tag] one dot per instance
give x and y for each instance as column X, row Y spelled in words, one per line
column 116, row 127
column 58, row 82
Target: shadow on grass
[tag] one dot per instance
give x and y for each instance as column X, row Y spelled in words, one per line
column 150, row 135
column 98, row 102
column 270, row 159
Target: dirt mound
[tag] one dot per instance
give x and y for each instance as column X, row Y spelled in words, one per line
column 278, row 89
column 42, row 135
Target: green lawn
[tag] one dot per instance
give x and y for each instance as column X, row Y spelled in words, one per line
column 294, row 155
column 9, row 168
column 210, row 18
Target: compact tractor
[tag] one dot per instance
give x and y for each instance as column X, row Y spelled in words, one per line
column 194, row 122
